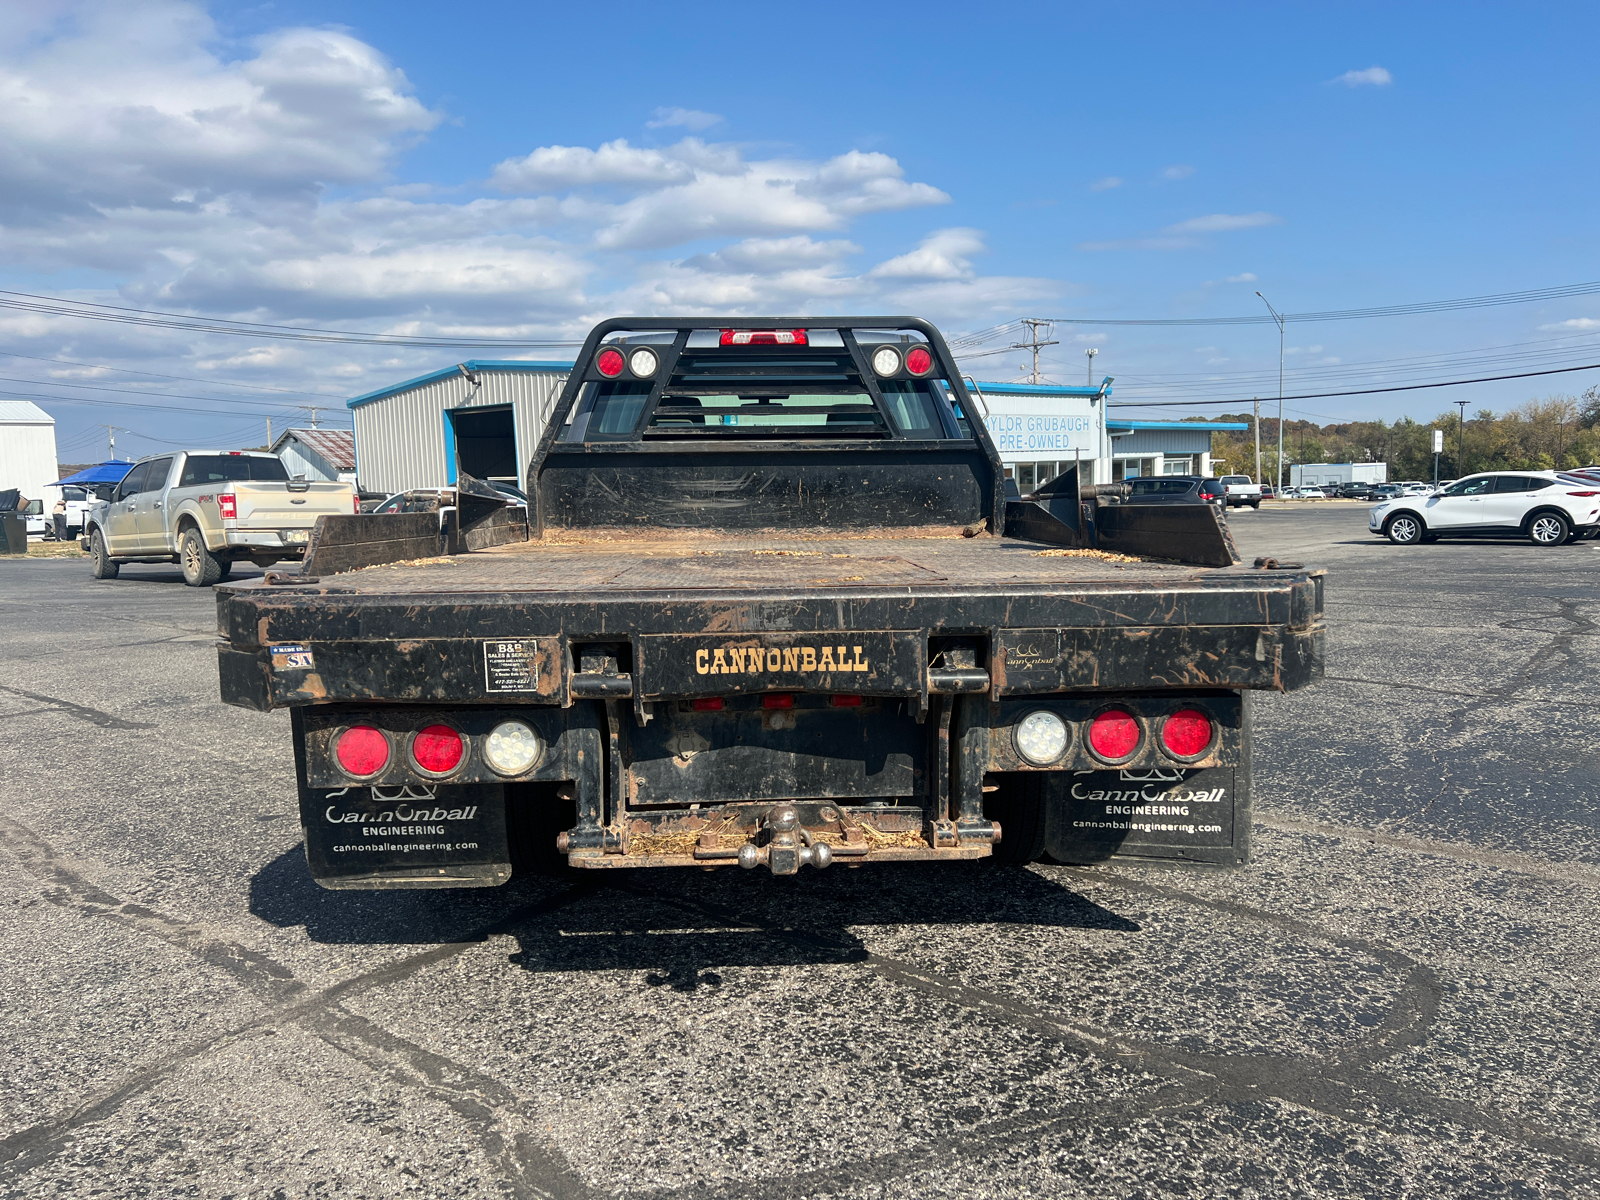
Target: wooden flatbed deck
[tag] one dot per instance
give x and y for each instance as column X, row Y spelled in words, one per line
column 605, row 567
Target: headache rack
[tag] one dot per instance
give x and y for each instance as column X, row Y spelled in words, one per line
column 706, row 424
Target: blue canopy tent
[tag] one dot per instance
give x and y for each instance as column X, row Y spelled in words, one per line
column 106, row 472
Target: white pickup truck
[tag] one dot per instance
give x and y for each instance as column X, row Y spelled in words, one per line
column 206, row 510
column 1242, row 490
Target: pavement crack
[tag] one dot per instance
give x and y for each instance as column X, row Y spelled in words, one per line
column 93, row 716
column 1342, row 1087
column 529, row 1163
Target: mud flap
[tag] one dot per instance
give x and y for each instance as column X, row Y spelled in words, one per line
column 406, row 837
column 1199, row 816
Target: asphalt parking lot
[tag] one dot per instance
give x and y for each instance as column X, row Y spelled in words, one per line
column 1398, row 998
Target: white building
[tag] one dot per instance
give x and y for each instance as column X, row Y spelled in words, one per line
column 1041, row 430
column 1324, row 474
column 328, row 454
column 27, row 448
column 481, row 416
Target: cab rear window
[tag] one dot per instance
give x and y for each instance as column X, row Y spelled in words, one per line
column 201, row 469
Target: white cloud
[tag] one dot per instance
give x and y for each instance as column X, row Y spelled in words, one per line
column 1371, row 77
column 552, row 168
column 87, row 120
column 945, row 254
column 137, row 150
column 1106, row 184
column 1223, row 223
column 1177, row 171
column 684, row 118
column 1579, row 323
column 1244, row 277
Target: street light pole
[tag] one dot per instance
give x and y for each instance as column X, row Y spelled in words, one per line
column 1461, row 442
column 1278, row 317
column 1088, row 376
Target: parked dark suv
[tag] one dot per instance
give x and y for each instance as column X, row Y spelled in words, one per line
column 1177, row 489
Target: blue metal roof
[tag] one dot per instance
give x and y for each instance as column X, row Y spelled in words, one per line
column 473, row 364
column 1175, row 426
column 1043, row 389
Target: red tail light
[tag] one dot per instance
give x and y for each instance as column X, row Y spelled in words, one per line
column 355, row 503
column 763, row 337
column 438, row 749
column 229, row 504
column 918, row 361
column 1186, row 732
column 362, row 751
column 609, row 362
column 777, row 700
column 1583, row 493
column 708, row 704
column 1114, row 734
column 846, row 701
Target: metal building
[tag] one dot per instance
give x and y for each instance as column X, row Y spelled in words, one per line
column 1165, row 447
column 27, row 448
column 481, row 417
column 318, row 453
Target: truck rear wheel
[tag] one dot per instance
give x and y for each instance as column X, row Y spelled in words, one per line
column 200, row 567
column 1018, row 804
column 99, row 560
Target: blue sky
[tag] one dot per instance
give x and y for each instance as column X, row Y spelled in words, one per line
column 520, row 170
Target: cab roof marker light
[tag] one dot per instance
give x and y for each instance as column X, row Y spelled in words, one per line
column 763, row 337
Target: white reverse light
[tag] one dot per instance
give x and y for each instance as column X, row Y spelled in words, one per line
column 1041, row 738
column 511, row 748
column 643, row 363
column 886, row 360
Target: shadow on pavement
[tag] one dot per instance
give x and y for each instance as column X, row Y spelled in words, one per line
column 678, row 925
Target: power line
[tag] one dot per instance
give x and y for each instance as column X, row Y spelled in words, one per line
column 206, row 412
column 157, row 319
column 1408, row 387
column 1532, row 296
column 255, row 387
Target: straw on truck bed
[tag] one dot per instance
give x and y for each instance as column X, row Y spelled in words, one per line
column 772, row 606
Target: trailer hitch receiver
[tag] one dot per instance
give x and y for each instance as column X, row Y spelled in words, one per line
column 783, row 853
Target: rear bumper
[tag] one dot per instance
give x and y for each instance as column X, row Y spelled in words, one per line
column 285, row 540
column 751, row 786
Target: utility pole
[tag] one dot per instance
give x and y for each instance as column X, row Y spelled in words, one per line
column 313, row 409
column 1034, row 324
column 111, row 436
column 1461, row 441
column 1088, row 374
column 1258, row 440
column 1278, row 317
column 269, row 433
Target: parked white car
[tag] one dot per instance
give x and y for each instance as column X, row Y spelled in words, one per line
column 1311, row 493
column 1547, row 507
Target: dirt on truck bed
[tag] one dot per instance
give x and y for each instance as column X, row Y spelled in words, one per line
column 627, row 563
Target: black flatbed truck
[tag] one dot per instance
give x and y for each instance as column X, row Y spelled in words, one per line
column 772, row 606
